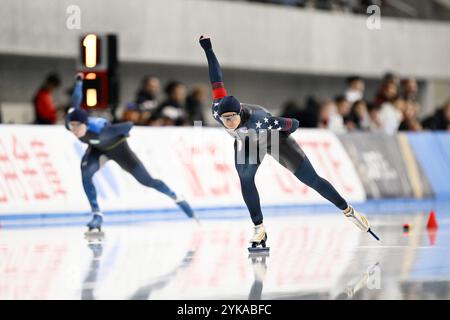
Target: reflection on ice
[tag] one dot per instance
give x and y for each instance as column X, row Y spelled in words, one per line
column 311, row 257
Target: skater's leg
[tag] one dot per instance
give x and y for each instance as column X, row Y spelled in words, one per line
column 306, row 174
column 247, row 172
column 128, row 161
column 89, row 166
column 250, row 194
column 292, row 157
column 141, row 174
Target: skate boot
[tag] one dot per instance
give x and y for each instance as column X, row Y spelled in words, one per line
column 95, row 227
column 359, row 220
column 258, row 240
column 184, row 205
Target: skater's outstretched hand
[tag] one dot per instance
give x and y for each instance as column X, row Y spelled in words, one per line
column 79, row 76
column 205, row 42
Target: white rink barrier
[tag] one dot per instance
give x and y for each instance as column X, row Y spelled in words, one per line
column 40, row 171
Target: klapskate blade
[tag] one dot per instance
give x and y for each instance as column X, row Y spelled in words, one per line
column 373, row 234
column 259, row 250
column 94, row 235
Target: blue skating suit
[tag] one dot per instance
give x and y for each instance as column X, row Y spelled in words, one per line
column 108, row 141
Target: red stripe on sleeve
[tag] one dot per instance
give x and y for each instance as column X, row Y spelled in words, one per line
column 288, row 124
column 219, row 93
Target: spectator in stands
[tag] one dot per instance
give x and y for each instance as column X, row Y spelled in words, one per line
column 409, row 89
column 358, row 119
column 440, row 120
column 355, row 89
column 169, row 116
column 326, row 110
column 309, row 117
column 45, row 109
column 146, row 99
column 172, row 108
column 291, row 109
column 410, row 122
column 388, row 89
column 340, row 114
column 391, row 113
column 195, row 104
column 375, row 124
column 132, row 113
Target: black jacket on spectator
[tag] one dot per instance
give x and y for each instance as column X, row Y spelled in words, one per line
column 437, row 121
column 194, row 109
column 143, row 96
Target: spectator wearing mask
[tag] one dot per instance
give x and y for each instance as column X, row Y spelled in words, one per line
column 355, row 89
column 173, row 106
column 45, row 109
column 195, row 103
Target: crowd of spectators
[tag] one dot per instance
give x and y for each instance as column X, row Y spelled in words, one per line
column 177, row 108
column 394, row 107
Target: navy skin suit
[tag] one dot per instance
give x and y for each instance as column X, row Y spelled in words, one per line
column 258, row 120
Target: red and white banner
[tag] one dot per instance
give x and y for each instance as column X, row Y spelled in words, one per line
column 40, row 171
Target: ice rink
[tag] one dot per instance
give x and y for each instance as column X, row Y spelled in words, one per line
column 312, row 256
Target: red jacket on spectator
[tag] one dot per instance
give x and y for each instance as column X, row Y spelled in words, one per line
column 44, row 107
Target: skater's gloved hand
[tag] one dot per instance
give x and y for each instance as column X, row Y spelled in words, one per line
column 295, row 125
column 79, row 76
column 205, row 42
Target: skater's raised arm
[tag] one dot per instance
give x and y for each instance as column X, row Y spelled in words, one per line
column 215, row 73
column 77, row 95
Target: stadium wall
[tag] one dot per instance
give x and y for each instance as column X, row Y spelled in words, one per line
column 40, row 172
column 166, row 31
